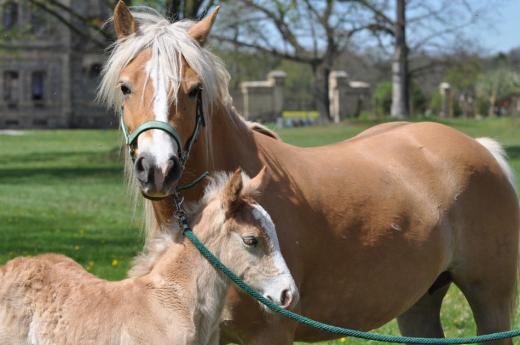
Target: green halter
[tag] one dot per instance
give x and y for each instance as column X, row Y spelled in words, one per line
column 182, row 152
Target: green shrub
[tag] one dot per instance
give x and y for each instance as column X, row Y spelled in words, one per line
column 417, row 99
column 436, row 103
column 382, row 98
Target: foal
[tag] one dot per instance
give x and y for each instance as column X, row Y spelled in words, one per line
column 176, row 297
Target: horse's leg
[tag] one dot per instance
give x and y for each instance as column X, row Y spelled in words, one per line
column 423, row 318
column 273, row 329
column 492, row 305
column 275, row 334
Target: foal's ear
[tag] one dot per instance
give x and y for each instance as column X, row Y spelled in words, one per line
column 200, row 31
column 232, row 193
column 124, row 22
column 258, row 183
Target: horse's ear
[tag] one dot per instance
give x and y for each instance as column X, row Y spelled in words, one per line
column 200, row 31
column 232, row 193
column 258, row 183
column 124, row 22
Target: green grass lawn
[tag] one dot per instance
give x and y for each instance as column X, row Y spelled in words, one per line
column 63, row 191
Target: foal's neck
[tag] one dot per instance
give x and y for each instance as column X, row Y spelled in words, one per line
column 187, row 284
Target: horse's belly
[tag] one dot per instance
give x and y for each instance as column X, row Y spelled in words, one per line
column 363, row 285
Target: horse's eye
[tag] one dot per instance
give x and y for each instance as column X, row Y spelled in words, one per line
column 250, row 241
column 194, row 91
column 125, row 89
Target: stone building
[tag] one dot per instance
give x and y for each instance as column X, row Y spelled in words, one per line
column 48, row 72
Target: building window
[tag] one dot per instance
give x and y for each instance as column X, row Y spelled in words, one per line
column 38, row 87
column 11, row 85
column 40, row 122
column 12, row 122
column 9, row 15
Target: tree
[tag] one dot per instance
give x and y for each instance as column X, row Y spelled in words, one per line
column 400, row 83
column 495, row 84
column 437, row 28
column 316, row 33
column 191, row 9
column 94, row 31
column 309, row 32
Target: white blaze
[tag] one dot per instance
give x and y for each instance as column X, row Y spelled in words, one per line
column 284, row 279
column 161, row 146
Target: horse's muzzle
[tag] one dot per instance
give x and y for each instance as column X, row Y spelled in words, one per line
column 157, row 180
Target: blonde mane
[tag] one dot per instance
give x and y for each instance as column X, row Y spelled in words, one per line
column 169, row 43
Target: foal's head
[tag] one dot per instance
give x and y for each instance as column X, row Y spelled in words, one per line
column 159, row 71
column 246, row 237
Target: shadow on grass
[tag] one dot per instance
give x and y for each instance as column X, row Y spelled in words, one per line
column 18, row 175
column 113, row 155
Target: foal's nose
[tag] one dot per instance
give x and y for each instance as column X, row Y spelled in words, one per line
column 284, row 300
column 156, row 177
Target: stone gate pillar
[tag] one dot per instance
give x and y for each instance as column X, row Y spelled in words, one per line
column 338, row 85
column 277, row 80
column 445, row 90
column 263, row 100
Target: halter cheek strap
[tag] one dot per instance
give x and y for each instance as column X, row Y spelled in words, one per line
column 183, row 152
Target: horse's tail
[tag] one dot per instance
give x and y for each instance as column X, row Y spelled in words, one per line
column 500, row 155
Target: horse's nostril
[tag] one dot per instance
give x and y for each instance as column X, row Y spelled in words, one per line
column 142, row 169
column 286, row 298
column 139, row 167
column 172, row 171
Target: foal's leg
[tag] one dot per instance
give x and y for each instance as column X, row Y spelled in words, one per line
column 423, row 318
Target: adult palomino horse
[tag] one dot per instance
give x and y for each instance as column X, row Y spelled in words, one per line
column 176, row 297
column 372, row 228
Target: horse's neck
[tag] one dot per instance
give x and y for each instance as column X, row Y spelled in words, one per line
column 232, row 145
column 189, row 289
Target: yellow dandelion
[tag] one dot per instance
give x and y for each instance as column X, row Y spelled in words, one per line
column 343, row 340
column 90, row 264
column 115, row 262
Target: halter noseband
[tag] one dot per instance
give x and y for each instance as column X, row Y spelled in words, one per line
column 183, row 152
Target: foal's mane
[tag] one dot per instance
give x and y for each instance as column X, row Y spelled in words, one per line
column 145, row 261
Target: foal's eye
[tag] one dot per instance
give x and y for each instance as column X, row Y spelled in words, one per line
column 194, row 91
column 125, row 89
column 250, row 241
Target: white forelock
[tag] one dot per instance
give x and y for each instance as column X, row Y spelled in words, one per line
column 168, row 43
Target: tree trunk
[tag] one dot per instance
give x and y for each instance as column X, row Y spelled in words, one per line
column 321, row 90
column 184, row 9
column 400, row 92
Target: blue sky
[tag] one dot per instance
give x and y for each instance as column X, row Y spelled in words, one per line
column 505, row 34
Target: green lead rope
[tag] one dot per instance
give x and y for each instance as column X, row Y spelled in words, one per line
column 192, row 183
column 215, row 262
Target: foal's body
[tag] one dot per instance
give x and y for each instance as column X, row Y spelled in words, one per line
column 367, row 225
column 50, row 299
column 176, row 299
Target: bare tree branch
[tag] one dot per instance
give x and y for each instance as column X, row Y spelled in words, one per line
column 67, row 23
